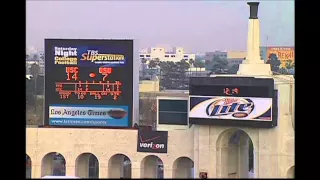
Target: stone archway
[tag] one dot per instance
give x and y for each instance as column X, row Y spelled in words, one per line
column 87, row 166
column 235, row 154
column 183, row 168
column 53, row 164
column 28, row 167
column 119, row 166
column 151, row 167
column 290, row 172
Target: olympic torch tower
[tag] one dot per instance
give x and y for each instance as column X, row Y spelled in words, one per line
column 253, row 64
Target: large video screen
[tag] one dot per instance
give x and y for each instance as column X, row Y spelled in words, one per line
column 233, row 101
column 88, row 82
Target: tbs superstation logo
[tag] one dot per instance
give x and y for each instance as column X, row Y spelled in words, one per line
column 65, row 55
column 97, row 58
column 230, row 108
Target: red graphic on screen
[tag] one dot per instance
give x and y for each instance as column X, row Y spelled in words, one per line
column 98, row 89
column 92, row 75
column 230, row 91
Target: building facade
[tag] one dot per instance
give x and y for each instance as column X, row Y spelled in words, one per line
column 235, row 57
column 202, row 148
column 209, row 55
column 160, row 53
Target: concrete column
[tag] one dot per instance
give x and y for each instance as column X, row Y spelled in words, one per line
column 256, row 163
column 196, row 149
column 103, row 172
column 136, row 170
column 253, row 43
column 253, row 65
column 204, row 150
column 70, row 170
column 36, row 170
column 167, row 173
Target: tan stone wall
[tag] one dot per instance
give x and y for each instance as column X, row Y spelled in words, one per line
column 103, row 143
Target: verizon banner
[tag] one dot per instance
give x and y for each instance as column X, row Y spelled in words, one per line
column 152, row 141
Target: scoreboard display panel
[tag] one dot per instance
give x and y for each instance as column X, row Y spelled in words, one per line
column 88, row 83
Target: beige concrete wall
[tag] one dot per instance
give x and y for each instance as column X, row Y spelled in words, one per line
column 149, row 86
column 103, row 143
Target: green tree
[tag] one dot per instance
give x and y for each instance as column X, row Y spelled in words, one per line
column 274, row 62
column 219, row 65
column 199, row 64
column 283, row 71
column 166, row 69
column 35, row 70
column 289, row 64
column 143, row 61
column 208, row 64
column 173, row 75
column 233, row 69
column 154, row 63
column 30, row 94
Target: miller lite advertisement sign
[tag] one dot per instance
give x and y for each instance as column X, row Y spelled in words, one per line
column 233, row 101
column 233, row 108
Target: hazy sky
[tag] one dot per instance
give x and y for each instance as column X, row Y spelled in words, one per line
column 196, row 26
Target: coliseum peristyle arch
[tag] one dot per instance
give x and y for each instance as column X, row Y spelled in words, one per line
column 201, row 144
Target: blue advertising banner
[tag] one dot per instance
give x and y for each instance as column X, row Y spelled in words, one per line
column 84, row 115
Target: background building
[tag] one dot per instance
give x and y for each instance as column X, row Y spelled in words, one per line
column 209, row 55
column 160, row 53
column 235, row 57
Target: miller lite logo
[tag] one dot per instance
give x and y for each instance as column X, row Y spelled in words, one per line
column 236, row 107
